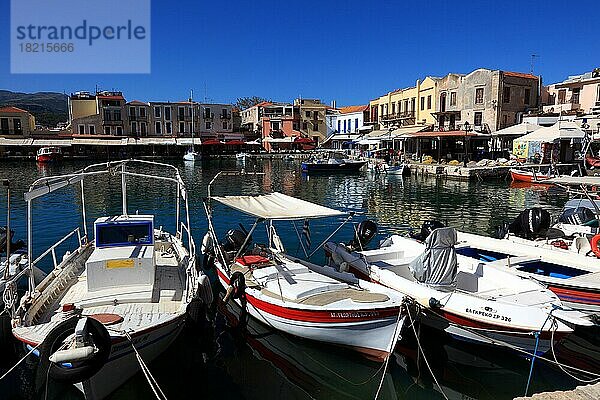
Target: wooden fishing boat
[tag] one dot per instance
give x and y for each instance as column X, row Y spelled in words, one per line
column 49, row 154
column 117, row 297
column 521, row 175
column 296, row 296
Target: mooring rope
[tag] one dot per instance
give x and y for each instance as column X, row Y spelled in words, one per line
column 594, row 380
column 389, row 355
column 20, row 361
column 151, row 380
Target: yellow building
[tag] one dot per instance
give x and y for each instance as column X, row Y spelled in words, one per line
column 16, row 122
column 412, row 106
column 82, row 104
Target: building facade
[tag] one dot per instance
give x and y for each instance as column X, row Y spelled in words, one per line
column 16, row 122
column 579, row 94
column 312, row 118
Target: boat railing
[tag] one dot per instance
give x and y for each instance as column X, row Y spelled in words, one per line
column 81, row 240
column 183, row 228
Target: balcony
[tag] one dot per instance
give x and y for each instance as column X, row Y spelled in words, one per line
column 226, row 116
column 398, row 116
column 208, row 117
column 138, row 117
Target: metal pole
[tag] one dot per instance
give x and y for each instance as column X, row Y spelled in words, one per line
column 30, row 250
column 6, row 183
column 177, row 209
column 83, row 213
column 124, row 189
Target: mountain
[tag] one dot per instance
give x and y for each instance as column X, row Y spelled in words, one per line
column 49, row 108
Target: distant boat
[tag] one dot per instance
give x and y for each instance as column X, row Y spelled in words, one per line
column 191, row 154
column 49, row 154
column 241, row 157
column 332, row 165
column 528, row 176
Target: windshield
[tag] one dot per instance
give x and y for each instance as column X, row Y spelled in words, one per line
column 124, row 234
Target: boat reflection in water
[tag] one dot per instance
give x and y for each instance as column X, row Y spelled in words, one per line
column 299, row 369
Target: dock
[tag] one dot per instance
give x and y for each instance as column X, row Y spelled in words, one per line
column 461, row 172
column 591, row 392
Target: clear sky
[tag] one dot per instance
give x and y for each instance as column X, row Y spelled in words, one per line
column 349, row 51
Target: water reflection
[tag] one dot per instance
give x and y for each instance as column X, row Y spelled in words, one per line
column 270, row 365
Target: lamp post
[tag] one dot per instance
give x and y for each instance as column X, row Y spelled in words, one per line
column 467, row 128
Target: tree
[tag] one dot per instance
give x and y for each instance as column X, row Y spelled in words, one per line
column 246, row 102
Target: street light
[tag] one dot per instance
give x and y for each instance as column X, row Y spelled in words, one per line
column 467, row 128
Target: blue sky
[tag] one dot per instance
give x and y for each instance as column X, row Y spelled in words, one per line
column 349, row 51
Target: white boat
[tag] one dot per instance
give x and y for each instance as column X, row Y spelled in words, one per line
column 465, row 297
column 400, row 169
column 120, row 291
column 241, row 157
column 192, row 154
column 295, row 296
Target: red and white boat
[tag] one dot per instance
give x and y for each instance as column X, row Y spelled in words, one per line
column 49, row 154
column 521, row 175
column 295, row 296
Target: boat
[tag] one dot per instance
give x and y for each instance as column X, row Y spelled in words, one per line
column 192, row 154
column 241, row 157
column 467, row 298
column 332, row 165
column 295, row 296
column 49, row 154
column 119, row 296
column 400, row 169
column 521, row 175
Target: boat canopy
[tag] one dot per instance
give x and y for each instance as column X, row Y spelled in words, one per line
column 277, row 206
column 575, row 180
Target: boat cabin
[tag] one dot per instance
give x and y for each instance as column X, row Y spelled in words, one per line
column 123, row 260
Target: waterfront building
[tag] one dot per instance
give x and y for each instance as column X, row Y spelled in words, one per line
column 216, row 121
column 280, row 123
column 16, row 122
column 312, row 118
column 345, row 126
column 138, row 119
column 578, row 94
column 250, row 118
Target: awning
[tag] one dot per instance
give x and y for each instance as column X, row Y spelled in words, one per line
column 156, row 141
column 562, row 130
column 277, row 206
column 255, row 142
column 100, row 142
column 52, row 142
column 444, row 134
column 235, row 143
column 211, row 142
column 364, row 142
column 303, row 140
column 15, row 142
column 188, row 141
column 404, row 132
column 269, row 139
column 517, row 130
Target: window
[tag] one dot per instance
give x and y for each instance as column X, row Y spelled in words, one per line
column 429, row 102
column 562, row 94
column 479, row 96
column 597, row 93
column 393, row 108
column 119, row 130
column 478, row 119
column 132, row 112
column 345, row 126
column 142, row 111
column 381, row 110
column 224, row 124
column 506, row 94
column 17, row 125
column 110, row 234
column 315, row 126
column 107, row 115
column 505, row 120
column 452, row 98
column 180, row 113
column 206, row 113
column 413, row 104
column 107, row 130
column 168, row 129
column 92, row 129
column 527, row 96
column 575, row 96
column 339, row 125
column 168, row 113
column 143, row 129
column 307, row 113
column 158, row 128
column 405, row 106
column 134, row 127
column 224, row 113
column 80, row 127
column 117, row 115
column 305, row 126
column 157, row 112
column 181, row 127
column 209, row 125
column 422, row 103
column 356, row 124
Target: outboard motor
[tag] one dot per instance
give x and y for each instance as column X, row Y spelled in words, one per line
column 530, row 224
column 365, row 232
column 577, row 216
column 234, row 240
column 426, row 228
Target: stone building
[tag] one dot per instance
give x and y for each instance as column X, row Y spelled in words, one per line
column 16, row 122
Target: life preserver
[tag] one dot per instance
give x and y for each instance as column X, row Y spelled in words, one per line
column 78, row 372
column 594, row 245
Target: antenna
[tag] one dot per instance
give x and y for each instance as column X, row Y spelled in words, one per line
column 533, row 57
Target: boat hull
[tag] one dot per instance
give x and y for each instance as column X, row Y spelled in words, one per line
column 346, row 167
column 368, row 331
column 527, row 176
column 48, row 158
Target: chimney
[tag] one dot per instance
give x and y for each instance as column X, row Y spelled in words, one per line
column 333, row 104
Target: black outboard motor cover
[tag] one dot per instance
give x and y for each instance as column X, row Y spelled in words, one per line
column 577, row 216
column 365, row 232
column 426, row 229
column 531, row 223
column 234, row 239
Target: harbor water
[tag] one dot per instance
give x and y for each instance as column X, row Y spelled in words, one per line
column 224, row 362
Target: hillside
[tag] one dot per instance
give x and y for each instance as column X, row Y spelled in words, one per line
column 49, row 108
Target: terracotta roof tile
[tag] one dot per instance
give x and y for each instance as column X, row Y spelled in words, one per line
column 11, row 109
column 520, row 75
column 137, row 103
column 353, row 109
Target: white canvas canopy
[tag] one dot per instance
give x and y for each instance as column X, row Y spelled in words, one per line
column 521, row 129
column 277, row 206
column 562, row 130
